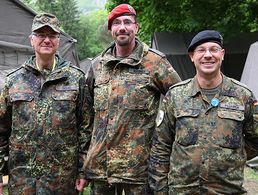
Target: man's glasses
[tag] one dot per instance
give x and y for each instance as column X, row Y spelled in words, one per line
column 44, row 36
column 212, row 50
column 126, row 22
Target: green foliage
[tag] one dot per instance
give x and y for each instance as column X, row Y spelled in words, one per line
column 251, row 173
column 89, row 30
column 66, row 11
column 97, row 37
column 31, row 4
column 226, row 16
column 87, row 6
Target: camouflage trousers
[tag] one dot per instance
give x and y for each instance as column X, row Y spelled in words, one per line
column 42, row 186
column 103, row 188
column 201, row 191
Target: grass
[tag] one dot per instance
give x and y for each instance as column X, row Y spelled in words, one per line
column 86, row 191
column 251, row 173
column 251, row 181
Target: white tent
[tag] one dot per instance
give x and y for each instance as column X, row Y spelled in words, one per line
column 249, row 76
column 250, row 72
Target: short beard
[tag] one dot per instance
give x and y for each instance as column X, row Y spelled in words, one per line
column 122, row 43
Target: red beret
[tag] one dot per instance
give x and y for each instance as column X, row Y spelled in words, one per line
column 119, row 11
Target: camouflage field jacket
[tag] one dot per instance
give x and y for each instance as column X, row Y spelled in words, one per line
column 199, row 148
column 43, row 125
column 126, row 98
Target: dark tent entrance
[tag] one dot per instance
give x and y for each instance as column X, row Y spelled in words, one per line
column 174, row 45
column 186, row 71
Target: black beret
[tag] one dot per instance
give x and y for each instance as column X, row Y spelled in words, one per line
column 203, row 37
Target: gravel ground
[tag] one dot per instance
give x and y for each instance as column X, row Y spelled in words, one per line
column 251, row 186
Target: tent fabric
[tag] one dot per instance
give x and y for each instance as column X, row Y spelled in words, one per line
column 250, row 71
column 85, row 64
column 240, row 62
column 15, row 21
column 253, row 163
column 186, row 71
column 172, row 42
column 174, row 45
column 15, row 46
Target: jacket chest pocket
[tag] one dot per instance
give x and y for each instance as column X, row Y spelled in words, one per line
column 21, row 102
column 138, row 92
column 65, row 93
column 65, row 99
column 101, row 91
column 230, row 128
column 21, row 97
column 63, row 109
column 186, row 126
column 22, row 112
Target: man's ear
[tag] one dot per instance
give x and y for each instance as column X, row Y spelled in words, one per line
column 137, row 28
column 223, row 54
column 191, row 55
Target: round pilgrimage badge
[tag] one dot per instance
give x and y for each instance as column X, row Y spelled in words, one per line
column 215, row 102
column 160, row 118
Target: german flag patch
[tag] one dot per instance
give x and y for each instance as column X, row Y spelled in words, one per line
column 256, row 107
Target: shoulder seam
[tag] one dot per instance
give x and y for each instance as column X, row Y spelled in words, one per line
column 96, row 59
column 14, row 71
column 157, row 52
column 180, row 83
column 77, row 68
column 240, row 84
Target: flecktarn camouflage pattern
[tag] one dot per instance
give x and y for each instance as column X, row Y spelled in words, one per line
column 43, row 128
column 45, row 19
column 126, row 98
column 199, row 148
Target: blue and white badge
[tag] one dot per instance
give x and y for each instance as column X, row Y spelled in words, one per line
column 215, row 102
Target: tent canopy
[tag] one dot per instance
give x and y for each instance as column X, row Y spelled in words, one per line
column 250, row 71
column 85, row 64
column 175, row 45
column 15, row 21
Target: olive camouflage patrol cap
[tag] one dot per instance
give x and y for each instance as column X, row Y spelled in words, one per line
column 45, row 19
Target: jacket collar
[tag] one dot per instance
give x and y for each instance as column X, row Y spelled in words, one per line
column 59, row 73
column 227, row 88
column 133, row 60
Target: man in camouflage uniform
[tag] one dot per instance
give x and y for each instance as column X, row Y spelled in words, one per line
column 44, row 117
column 205, row 128
column 127, row 80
